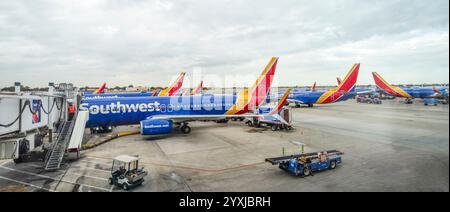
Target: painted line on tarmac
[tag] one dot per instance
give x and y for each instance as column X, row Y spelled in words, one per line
column 89, row 168
column 88, row 176
column 74, row 173
column 52, row 178
column 96, row 158
column 27, row 184
column 76, row 166
column 92, row 162
column 192, row 168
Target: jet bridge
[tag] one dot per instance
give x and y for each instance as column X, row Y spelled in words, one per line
column 28, row 120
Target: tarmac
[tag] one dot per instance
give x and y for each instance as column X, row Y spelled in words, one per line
column 388, row 147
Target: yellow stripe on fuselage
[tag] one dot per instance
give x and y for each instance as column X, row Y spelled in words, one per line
column 325, row 96
column 401, row 91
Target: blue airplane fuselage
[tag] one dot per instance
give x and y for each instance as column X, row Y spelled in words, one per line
column 132, row 110
column 312, row 97
column 424, row 92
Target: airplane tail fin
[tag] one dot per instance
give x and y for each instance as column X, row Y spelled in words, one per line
column 258, row 92
column 173, row 89
column 347, row 85
column 313, row 87
column 380, row 82
column 256, row 95
column 350, row 79
column 281, row 103
column 390, row 89
column 100, row 89
column 339, row 80
column 198, row 88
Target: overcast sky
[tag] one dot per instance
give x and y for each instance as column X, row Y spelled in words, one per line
column 140, row 42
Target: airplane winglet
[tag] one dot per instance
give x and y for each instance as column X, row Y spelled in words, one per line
column 339, row 80
column 198, row 88
column 281, row 102
column 313, row 87
column 100, row 89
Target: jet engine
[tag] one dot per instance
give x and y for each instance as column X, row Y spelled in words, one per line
column 156, row 126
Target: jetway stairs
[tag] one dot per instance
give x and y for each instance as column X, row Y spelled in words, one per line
column 56, row 153
column 69, row 138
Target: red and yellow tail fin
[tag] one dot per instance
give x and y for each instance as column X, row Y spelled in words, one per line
column 258, row 92
column 100, row 89
column 197, row 89
column 256, row 95
column 281, row 103
column 388, row 88
column 173, row 89
column 346, row 86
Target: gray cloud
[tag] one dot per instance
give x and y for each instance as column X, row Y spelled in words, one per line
column 148, row 42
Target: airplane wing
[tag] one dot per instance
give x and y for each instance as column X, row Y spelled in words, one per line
column 189, row 118
column 366, row 91
column 295, row 101
column 100, row 89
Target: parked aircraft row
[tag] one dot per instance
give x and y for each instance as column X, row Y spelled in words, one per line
column 159, row 112
column 410, row 92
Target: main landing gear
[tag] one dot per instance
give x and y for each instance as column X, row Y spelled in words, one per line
column 185, row 129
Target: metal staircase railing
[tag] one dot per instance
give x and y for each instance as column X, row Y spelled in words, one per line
column 56, row 154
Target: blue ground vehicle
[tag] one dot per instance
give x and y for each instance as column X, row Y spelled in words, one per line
column 306, row 164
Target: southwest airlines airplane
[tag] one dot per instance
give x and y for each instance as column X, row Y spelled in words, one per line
column 411, row 92
column 169, row 91
column 160, row 114
column 345, row 90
